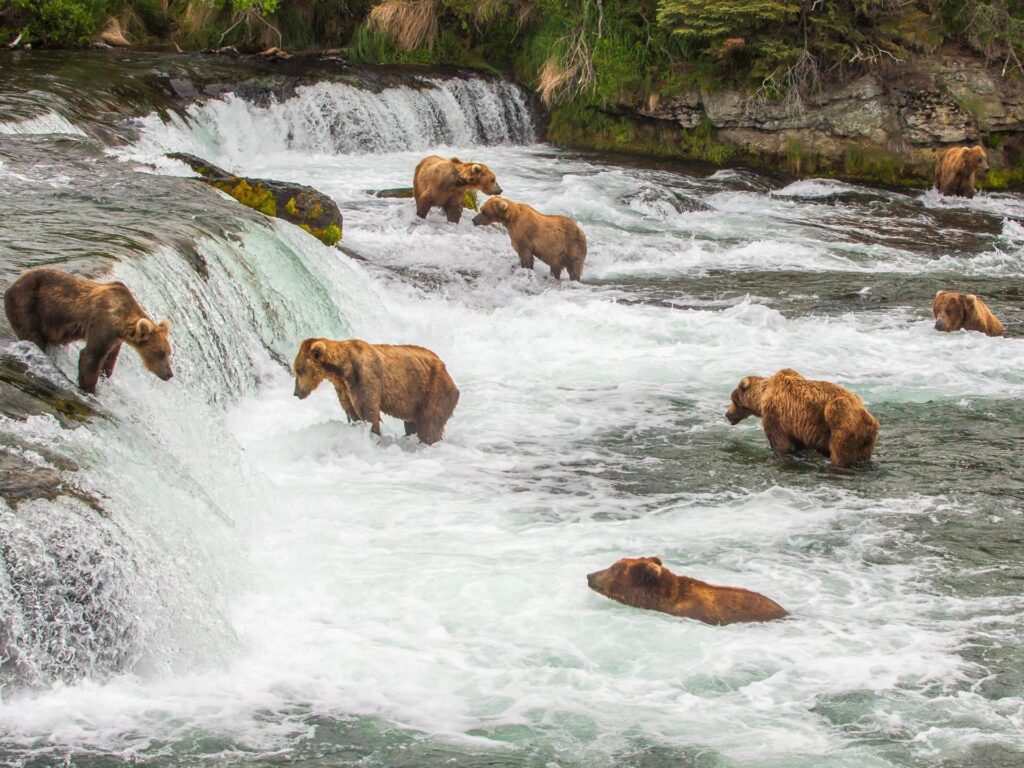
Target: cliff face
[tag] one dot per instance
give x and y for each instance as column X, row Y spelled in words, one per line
column 899, row 118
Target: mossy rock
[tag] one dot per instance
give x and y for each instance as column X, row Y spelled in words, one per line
column 298, row 204
column 25, row 390
column 401, row 193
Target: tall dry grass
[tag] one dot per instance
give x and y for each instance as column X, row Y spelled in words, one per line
column 410, row 24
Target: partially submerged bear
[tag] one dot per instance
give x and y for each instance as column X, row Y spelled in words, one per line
column 440, row 183
column 50, row 307
column 408, row 382
column 958, row 168
column 643, row 582
column 556, row 240
column 955, row 311
column 800, row 413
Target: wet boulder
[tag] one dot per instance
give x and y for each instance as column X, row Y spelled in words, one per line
column 298, row 204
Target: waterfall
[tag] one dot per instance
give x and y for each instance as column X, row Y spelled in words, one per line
column 130, row 567
column 340, row 118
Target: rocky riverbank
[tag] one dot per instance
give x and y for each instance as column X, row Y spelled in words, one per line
column 886, row 126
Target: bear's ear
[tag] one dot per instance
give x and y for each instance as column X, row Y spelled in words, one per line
column 655, row 559
column 503, row 206
column 165, row 326
column 317, row 350
column 745, row 383
column 143, row 329
column 477, row 169
column 965, row 153
column 645, row 574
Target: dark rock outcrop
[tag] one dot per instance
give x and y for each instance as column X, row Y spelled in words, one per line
column 298, row 204
column 909, row 113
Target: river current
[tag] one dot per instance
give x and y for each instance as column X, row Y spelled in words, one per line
column 268, row 585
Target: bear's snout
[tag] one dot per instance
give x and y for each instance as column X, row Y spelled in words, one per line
column 733, row 415
column 939, row 325
column 479, row 220
column 166, row 375
column 300, row 392
column 498, row 190
column 593, row 580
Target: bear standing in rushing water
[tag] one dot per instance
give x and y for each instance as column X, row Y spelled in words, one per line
column 954, row 311
column 800, row 413
column 440, row 183
column 50, row 307
column 957, row 170
column 408, row 382
column 643, row 582
column 556, row 240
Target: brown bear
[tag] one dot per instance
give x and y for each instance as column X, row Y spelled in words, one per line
column 800, row 413
column 644, row 582
column 556, row 240
column 956, row 170
column 953, row 311
column 50, row 307
column 440, row 183
column 404, row 381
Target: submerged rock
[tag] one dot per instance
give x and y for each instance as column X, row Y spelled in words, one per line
column 469, row 199
column 297, row 204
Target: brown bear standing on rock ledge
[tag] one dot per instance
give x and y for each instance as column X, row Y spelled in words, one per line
column 800, row 413
column 644, row 582
column 556, row 240
column 50, row 307
column 953, row 311
column 440, row 183
column 957, row 169
column 408, row 382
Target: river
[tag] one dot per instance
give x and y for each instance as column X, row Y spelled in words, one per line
column 267, row 585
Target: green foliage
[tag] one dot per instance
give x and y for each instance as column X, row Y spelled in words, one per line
column 715, row 19
column 61, row 23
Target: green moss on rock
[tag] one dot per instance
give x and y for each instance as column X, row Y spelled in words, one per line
column 254, row 194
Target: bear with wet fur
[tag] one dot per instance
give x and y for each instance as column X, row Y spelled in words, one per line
column 644, row 582
column 405, row 381
column 801, row 413
column 958, row 168
column 50, row 308
column 440, row 183
column 955, row 311
column 556, row 240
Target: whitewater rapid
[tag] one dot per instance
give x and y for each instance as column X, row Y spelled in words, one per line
column 441, row 590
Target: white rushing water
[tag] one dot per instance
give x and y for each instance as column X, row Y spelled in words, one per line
column 442, row 589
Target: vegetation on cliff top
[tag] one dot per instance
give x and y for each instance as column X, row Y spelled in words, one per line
column 588, row 59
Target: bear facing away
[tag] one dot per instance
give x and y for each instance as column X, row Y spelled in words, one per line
column 801, row 413
column 556, row 240
column 957, row 170
column 50, row 307
column 643, row 582
column 440, row 183
column 408, row 382
column 953, row 311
